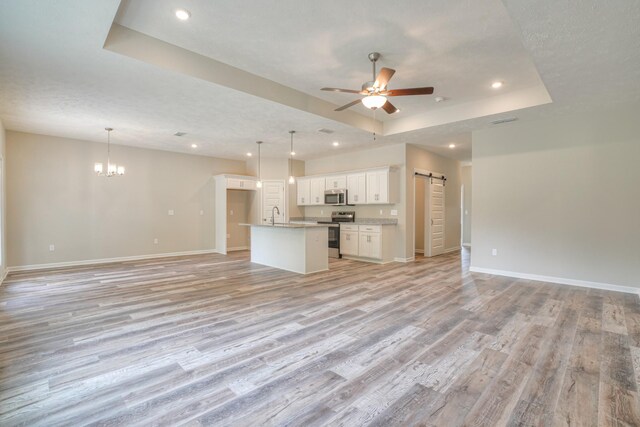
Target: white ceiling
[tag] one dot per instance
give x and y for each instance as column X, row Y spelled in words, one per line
column 56, row 78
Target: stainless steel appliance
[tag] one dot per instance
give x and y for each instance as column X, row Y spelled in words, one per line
column 334, row 230
column 337, row 197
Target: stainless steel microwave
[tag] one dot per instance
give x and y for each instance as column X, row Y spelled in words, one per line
column 336, row 197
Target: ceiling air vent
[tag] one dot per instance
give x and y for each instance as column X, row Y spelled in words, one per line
column 324, row 130
column 180, row 134
column 505, row 120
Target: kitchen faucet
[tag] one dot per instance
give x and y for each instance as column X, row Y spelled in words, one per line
column 273, row 220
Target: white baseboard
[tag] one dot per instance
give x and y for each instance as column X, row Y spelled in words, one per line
column 105, row 260
column 466, row 245
column 411, row 258
column 419, row 251
column 558, row 280
column 446, row 251
column 238, row 248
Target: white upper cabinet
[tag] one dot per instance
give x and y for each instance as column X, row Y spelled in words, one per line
column 316, row 187
column 241, row 184
column 336, row 182
column 357, row 188
column 303, row 190
column 377, row 186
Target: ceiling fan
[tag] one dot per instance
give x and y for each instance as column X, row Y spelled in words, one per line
column 376, row 91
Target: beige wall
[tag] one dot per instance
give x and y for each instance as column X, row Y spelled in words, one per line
column 3, row 203
column 392, row 155
column 419, row 158
column 238, row 212
column 560, row 198
column 466, row 172
column 53, row 197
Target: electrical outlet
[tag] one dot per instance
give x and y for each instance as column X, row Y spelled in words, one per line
column 380, row 211
column 52, row 248
column 171, row 212
column 494, row 252
column 155, row 241
column 321, row 211
column 201, row 212
column 394, row 212
column 231, row 212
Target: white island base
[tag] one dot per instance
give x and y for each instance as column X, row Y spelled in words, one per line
column 293, row 247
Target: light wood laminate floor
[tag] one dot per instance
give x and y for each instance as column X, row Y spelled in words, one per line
column 215, row 340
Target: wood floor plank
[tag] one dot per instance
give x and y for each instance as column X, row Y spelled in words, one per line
column 215, row 340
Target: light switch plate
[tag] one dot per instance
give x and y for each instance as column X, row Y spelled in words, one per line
column 171, row 212
column 394, row 212
column 494, row 252
column 52, row 248
column 155, row 241
column 201, row 212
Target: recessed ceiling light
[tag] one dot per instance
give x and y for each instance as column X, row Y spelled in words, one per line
column 439, row 98
column 249, row 154
column 194, row 145
column 452, row 145
column 496, row 85
column 336, row 143
column 183, row 14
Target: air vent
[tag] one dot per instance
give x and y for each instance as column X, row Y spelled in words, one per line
column 327, row 131
column 505, row 120
column 180, row 134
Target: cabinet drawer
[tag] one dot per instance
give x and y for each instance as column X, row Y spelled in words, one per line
column 371, row 228
column 348, row 227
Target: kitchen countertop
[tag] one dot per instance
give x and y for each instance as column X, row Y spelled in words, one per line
column 358, row 221
column 286, row 225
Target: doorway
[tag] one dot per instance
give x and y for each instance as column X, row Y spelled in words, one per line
column 273, row 195
column 429, row 213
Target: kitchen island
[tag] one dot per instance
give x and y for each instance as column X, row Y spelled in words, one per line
column 301, row 248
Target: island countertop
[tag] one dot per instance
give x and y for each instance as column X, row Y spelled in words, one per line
column 286, row 225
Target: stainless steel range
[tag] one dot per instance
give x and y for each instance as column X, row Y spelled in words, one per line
column 334, row 230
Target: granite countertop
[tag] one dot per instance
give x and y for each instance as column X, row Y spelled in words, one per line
column 358, row 221
column 286, row 225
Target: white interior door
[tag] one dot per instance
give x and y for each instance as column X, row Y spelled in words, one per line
column 273, row 195
column 435, row 222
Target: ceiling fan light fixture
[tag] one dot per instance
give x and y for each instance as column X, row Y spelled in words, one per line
column 183, row 14
column 374, row 101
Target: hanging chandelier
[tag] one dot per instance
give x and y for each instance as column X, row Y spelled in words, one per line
column 292, row 153
column 112, row 168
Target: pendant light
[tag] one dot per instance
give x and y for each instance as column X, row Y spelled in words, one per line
column 292, row 153
column 112, row 169
column 259, row 183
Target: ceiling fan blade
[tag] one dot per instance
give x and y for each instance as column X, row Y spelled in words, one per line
column 333, row 89
column 383, row 78
column 389, row 108
column 412, row 91
column 351, row 104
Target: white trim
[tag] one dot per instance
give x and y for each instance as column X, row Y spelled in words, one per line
column 238, row 248
column 446, row 251
column 419, row 251
column 106, row 260
column 559, row 280
column 466, row 245
column 410, row 259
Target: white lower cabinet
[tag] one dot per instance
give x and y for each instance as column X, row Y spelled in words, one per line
column 370, row 242
column 349, row 243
